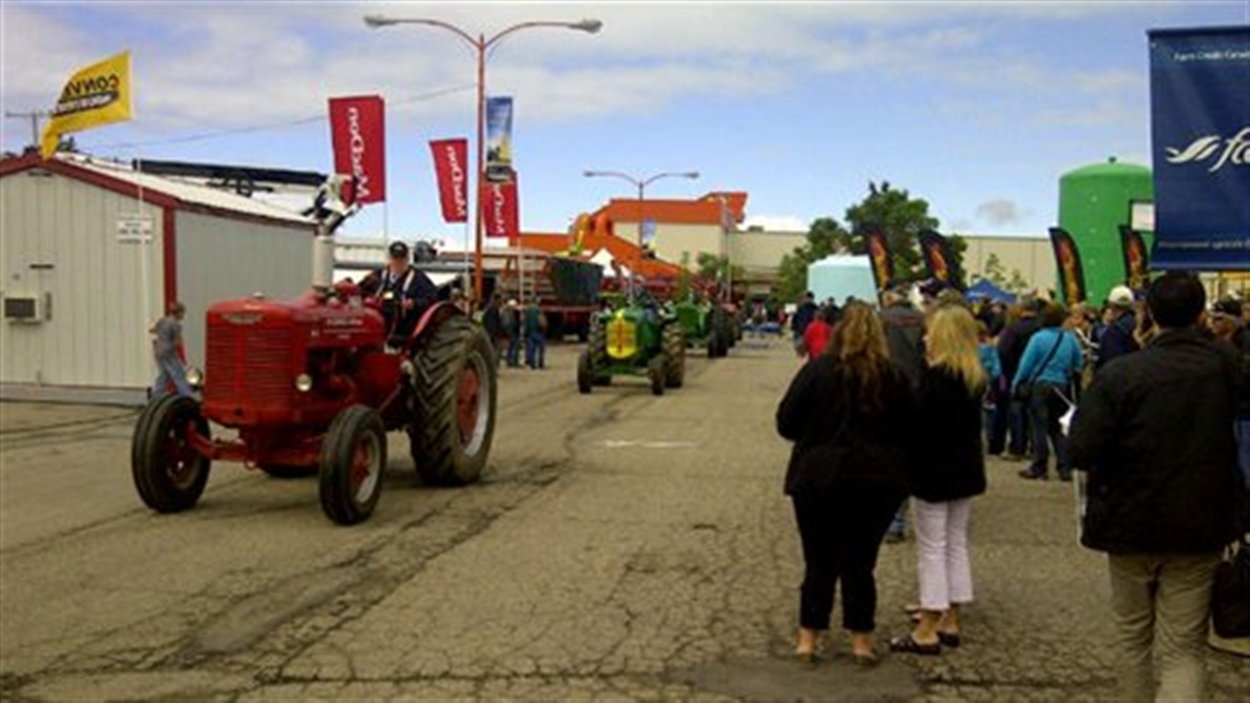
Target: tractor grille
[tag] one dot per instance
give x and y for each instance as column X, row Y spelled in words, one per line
column 248, row 365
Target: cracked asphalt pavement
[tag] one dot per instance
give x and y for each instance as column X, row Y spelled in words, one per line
column 620, row 546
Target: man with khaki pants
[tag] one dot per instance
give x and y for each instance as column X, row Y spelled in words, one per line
column 1155, row 434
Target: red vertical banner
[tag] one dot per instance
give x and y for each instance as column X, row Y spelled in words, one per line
column 500, row 209
column 358, row 133
column 451, row 158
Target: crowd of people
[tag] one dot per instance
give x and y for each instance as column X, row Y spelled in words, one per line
column 1146, row 398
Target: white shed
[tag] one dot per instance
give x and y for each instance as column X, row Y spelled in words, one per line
column 840, row 276
column 92, row 252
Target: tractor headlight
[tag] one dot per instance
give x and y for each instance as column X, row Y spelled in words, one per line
column 303, row 383
column 195, row 377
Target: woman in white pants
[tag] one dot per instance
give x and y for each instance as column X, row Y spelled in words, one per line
column 946, row 473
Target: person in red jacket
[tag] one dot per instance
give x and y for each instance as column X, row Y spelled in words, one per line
column 819, row 330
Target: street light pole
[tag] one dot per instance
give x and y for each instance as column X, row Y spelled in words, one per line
column 641, row 184
column 480, row 44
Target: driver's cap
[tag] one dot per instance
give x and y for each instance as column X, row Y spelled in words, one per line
column 398, row 250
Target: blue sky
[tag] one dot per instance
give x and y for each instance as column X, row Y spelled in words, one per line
column 976, row 106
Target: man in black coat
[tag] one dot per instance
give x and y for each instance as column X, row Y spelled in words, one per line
column 1117, row 339
column 404, row 291
column 1011, row 345
column 803, row 317
column 1155, row 434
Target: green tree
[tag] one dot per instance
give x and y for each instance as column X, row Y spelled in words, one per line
column 901, row 216
column 996, row 272
column 792, row 275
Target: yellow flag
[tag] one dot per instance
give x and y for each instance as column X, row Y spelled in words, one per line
column 96, row 95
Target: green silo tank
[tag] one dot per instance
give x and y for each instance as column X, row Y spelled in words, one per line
column 1094, row 201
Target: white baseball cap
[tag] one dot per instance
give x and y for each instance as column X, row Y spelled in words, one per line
column 1121, row 296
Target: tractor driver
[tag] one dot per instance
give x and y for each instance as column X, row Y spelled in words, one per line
column 404, row 291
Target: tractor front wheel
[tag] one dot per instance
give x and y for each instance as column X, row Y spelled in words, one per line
column 453, row 404
column 655, row 372
column 585, row 374
column 353, row 457
column 169, row 473
column 674, row 343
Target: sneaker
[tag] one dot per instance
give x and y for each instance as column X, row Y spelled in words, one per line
column 1030, row 475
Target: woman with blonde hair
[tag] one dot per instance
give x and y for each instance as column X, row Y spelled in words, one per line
column 945, row 477
column 848, row 412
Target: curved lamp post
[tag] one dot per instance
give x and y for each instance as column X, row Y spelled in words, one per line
column 641, row 184
column 481, row 44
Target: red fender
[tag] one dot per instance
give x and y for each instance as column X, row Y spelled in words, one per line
column 437, row 314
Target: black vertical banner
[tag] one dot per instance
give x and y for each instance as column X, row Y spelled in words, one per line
column 939, row 260
column 880, row 255
column 1068, row 265
column 1136, row 259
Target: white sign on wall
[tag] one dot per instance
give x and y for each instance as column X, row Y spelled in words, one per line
column 1142, row 216
column 134, row 228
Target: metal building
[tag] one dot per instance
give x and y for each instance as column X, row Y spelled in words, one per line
column 91, row 252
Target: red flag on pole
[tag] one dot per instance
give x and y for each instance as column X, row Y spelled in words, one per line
column 450, row 159
column 500, row 210
column 358, row 133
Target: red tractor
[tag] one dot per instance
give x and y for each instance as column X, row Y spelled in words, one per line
column 312, row 385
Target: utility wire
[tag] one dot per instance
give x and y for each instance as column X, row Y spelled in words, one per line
column 273, row 125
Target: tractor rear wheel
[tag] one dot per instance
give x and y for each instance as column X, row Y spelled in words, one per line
column 674, row 343
column 718, row 321
column 168, row 472
column 353, row 458
column 655, row 372
column 713, row 343
column 585, row 374
column 453, row 404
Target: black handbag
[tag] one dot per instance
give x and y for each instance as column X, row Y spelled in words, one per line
column 1230, row 592
column 1024, row 390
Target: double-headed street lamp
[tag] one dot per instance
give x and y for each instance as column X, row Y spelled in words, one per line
column 641, row 184
column 481, row 44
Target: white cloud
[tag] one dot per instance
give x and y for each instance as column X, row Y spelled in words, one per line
column 222, row 65
column 777, row 223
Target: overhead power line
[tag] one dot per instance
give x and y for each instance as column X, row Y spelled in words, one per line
column 216, row 134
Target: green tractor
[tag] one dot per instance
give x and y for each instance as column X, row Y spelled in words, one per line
column 634, row 340
column 708, row 325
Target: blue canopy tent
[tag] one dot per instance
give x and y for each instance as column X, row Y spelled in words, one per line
column 984, row 289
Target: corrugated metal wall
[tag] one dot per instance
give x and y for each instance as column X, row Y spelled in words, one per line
column 220, row 258
column 98, row 332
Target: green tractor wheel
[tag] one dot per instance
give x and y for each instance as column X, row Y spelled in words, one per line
column 597, row 344
column 674, row 345
column 656, row 373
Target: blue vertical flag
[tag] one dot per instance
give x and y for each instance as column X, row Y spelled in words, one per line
column 1200, row 129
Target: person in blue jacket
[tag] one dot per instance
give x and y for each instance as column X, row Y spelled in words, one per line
column 1051, row 361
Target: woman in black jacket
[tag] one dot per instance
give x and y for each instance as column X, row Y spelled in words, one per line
column 948, row 470
column 848, row 412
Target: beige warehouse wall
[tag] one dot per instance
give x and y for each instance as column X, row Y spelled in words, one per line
column 1031, row 256
column 761, row 252
column 221, row 259
column 97, row 334
column 672, row 242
